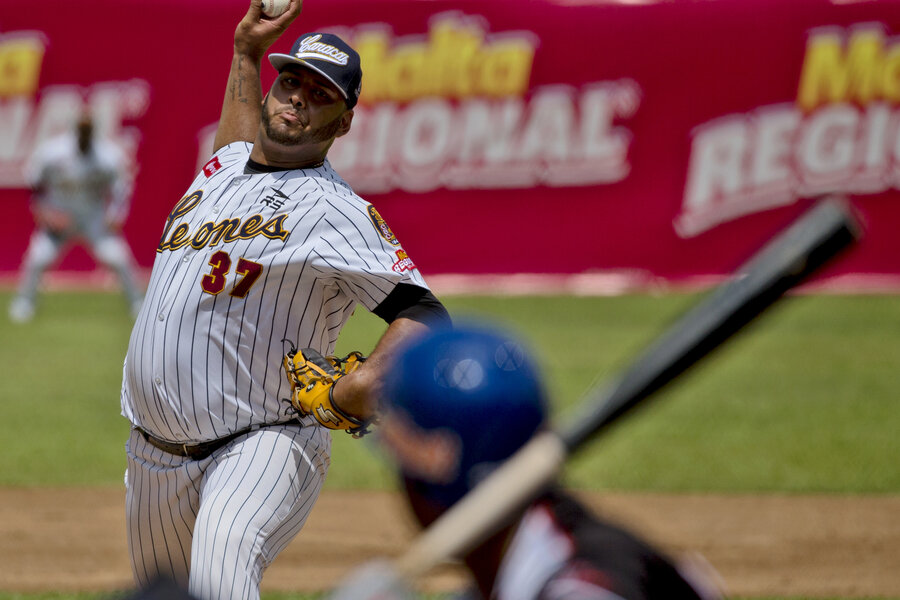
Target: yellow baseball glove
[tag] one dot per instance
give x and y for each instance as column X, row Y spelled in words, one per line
column 312, row 377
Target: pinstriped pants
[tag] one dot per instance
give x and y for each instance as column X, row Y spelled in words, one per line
column 214, row 525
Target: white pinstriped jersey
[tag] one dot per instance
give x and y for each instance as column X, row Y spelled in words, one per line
column 246, row 260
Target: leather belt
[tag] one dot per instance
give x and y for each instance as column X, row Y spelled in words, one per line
column 203, row 449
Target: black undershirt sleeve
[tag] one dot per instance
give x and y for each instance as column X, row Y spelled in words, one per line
column 413, row 302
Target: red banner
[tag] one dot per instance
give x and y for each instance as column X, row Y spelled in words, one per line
column 665, row 140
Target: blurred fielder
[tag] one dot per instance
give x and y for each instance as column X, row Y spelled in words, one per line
column 82, row 189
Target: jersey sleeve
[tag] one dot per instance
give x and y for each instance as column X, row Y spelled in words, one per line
column 358, row 251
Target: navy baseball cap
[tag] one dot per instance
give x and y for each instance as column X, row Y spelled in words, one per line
column 329, row 56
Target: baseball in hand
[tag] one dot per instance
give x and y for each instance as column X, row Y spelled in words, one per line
column 274, row 8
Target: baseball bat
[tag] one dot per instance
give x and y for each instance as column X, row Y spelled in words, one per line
column 811, row 241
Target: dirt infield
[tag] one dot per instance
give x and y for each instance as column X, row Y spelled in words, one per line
column 815, row 546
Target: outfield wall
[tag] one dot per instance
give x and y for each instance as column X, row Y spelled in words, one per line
column 650, row 141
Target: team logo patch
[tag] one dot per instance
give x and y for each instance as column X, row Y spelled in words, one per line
column 212, row 166
column 404, row 262
column 275, row 200
column 382, row 227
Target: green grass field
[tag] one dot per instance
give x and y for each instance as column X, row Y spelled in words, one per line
column 802, row 401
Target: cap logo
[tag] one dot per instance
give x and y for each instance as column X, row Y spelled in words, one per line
column 312, row 48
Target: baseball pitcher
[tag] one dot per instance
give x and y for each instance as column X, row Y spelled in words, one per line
column 230, row 381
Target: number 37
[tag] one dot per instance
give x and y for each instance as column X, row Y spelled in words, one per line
column 214, row 281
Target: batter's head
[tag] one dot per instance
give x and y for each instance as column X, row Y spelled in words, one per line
column 460, row 401
column 329, row 56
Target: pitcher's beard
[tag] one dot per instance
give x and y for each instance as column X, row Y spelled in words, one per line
column 298, row 138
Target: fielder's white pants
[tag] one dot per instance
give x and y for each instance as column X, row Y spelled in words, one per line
column 214, row 525
column 108, row 248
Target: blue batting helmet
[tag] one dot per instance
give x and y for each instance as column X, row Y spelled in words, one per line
column 460, row 401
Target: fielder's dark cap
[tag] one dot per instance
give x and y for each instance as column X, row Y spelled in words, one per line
column 329, row 56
